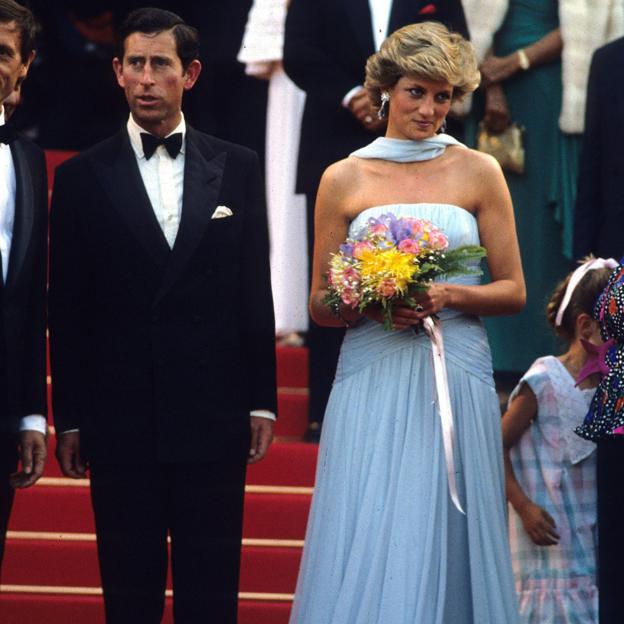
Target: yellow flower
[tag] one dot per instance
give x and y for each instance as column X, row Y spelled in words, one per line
column 377, row 266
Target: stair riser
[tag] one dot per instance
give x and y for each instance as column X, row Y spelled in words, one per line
column 75, row 564
column 287, row 463
column 68, row 510
column 36, row 609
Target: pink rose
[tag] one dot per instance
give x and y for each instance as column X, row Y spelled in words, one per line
column 387, row 288
column 350, row 297
column 438, row 240
column 379, row 229
column 408, row 245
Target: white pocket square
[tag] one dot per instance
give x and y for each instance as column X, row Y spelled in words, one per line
column 221, row 212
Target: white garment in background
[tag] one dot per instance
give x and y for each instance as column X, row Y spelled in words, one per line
column 262, row 48
column 585, row 26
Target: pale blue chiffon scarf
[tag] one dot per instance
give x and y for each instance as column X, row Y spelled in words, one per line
column 404, row 150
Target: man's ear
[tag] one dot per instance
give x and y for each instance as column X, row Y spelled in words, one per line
column 26, row 65
column 118, row 69
column 192, row 74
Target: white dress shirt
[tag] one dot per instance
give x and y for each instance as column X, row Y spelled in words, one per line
column 380, row 18
column 34, row 422
column 163, row 178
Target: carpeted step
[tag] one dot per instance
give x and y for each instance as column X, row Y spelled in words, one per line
column 292, row 367
column 74, row 562
column 292, row 409
column 62, row 509
column 288, row 463
column 19, row 608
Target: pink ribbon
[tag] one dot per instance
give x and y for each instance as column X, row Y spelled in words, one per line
column 444, row 404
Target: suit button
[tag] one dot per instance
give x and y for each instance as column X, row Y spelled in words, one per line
column 208, row 271
column 155, row 318
column 197, row 318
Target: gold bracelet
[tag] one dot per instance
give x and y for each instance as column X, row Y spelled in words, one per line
column 523, row 59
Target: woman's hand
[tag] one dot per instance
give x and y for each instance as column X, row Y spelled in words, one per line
column 498, row 68
column 403, row 316
column 497, row 116
column 539, row 525
column 432, row 300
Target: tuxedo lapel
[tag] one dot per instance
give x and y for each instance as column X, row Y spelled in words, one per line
column 121, row 180
column 359, row 15
column 24, row 213
column 202, row 182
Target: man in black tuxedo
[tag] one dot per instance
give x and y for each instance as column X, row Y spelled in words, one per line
column 162, row 336
column 599, row 229
column 327, row 43
column 23, row 250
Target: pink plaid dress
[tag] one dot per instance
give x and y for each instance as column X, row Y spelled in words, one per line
column 557, row 470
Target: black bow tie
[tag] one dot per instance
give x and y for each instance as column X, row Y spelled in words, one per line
column 7, row 134
column 172, row 143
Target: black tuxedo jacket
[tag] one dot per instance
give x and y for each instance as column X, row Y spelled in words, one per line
column 159, row 353
column 327, row 43
column 599, row 211
column 22, row 297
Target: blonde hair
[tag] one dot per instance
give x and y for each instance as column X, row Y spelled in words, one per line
column 427, row 50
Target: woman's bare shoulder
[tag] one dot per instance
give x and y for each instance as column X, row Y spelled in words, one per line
column 476, row 161
column 342, row 171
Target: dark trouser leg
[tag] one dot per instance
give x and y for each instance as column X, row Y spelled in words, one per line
column 8, row 465
column 323, row 345
column 206, row 532
column 131, row 527
column 610, row 523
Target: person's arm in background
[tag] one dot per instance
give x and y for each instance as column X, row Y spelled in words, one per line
column 69, row 301
column 33, row 398
column 496, row 69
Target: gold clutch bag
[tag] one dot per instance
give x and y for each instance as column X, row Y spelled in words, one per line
column 507, row 147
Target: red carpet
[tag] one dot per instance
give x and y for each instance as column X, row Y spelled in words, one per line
column 50, row 573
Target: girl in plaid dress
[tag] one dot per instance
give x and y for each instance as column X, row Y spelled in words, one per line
column 551, row 471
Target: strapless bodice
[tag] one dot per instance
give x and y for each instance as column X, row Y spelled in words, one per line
column 459, row 225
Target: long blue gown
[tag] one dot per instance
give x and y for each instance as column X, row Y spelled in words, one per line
column 384, row 543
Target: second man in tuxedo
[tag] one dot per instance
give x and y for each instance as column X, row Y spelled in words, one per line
column 23, row 250
column 163, row 347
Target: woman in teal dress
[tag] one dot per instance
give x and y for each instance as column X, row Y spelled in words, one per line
column 526, row 87
column 400, row 532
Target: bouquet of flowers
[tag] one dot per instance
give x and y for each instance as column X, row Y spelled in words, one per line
column 390, row 260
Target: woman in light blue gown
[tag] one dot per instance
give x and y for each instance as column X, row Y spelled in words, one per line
column 385, row 543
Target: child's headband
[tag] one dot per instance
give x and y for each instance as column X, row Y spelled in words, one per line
column 577, row 276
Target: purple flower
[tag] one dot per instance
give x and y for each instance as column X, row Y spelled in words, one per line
column 347, row 249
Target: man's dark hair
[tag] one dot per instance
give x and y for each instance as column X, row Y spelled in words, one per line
column 152, row 21
column 11, row 11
